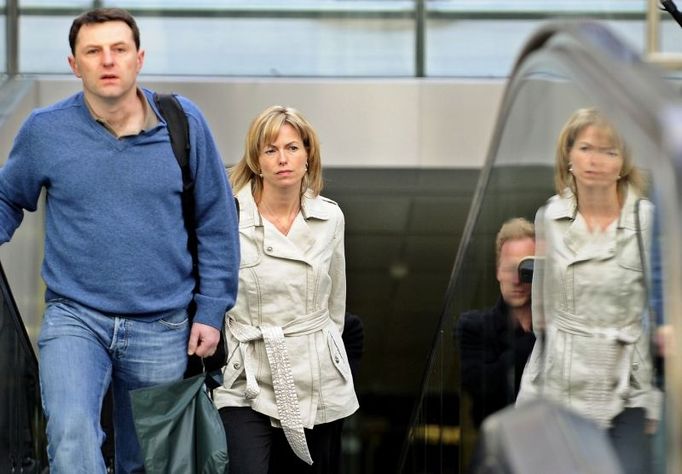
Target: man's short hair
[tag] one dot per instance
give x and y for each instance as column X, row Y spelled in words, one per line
column 102, row 15
column 514, row 229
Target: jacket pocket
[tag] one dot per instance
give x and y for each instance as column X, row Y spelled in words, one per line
column 234, row 367
column 338, row 353
column 640, row 371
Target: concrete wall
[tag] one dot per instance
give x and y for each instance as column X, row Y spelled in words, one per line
column 362, row 123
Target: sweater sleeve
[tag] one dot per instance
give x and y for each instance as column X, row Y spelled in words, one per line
column 216, row 225
column 20, row 183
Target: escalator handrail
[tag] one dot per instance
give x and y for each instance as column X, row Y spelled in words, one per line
column 17, row 320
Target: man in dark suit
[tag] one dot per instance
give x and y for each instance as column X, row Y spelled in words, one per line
column 496, row 342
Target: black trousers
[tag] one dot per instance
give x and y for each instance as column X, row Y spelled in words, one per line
column 630, row 441
column 255, row 447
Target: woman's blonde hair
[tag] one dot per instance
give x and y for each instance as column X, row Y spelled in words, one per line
column 262, row 132
column 579, row 121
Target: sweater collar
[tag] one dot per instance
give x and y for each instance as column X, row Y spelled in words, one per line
column 150, row 118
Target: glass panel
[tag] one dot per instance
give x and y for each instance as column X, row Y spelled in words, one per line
column 591, row 307
column 482, row 39
column 496, row 42
column 242, row 39
column 314, row 47
column 44, row 44
column 323, row 38
column 327, row 38
column 57, row 3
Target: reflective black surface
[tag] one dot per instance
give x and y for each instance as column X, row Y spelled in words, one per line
column 22, row 440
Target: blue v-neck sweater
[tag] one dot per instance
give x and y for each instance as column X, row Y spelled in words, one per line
column 114, row 231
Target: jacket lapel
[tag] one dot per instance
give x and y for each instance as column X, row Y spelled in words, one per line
column 294, row 246
column 582, row 245
column 300, row 242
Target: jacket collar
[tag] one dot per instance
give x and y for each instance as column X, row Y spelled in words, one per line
column 248, row 211
column 576, row 236
column 312, row 207
column 300, row 240
column 564, row 206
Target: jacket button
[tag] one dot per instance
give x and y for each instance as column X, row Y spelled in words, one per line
column 336, row 359
column 269, row 249
column 236, row 365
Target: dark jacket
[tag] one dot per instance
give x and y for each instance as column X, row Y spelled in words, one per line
column 493, row 353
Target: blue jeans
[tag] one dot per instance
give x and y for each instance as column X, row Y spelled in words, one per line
column 81, row 352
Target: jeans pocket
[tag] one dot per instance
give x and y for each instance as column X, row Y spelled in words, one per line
column 61, row 304
column 176, row 321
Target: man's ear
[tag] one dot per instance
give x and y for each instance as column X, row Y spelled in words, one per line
column 140, row 60
column 74, row 66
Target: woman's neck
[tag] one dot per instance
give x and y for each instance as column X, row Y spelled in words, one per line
column 599, row 207
column 280, row 208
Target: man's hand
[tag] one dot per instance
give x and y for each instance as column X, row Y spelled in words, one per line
column 203, row 340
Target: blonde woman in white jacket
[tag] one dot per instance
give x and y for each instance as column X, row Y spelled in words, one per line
column 589, row 296
column 287, row 380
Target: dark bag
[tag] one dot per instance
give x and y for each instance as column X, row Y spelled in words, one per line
column 179, row 428
column 178, row 129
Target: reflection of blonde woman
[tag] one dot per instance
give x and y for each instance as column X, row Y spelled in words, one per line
column 592, row 297
column 287, row 378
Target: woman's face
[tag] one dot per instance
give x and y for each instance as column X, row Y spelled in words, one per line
column 596, row 161
column 283, row 162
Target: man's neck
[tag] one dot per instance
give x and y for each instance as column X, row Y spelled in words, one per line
column 123, row 115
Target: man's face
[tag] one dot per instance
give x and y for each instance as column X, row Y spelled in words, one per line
column 514, row 293
column 106, row 60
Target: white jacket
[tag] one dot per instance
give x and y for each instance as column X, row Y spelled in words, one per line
column 295, row 284
column 590, row 296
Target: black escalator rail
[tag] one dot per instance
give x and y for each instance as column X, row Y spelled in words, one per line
column 22, row 440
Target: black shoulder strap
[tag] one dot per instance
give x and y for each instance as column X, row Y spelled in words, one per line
column 178, row 129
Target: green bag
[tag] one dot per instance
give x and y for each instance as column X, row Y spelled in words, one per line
column 179, row 428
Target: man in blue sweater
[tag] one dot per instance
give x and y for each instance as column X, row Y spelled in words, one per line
column 117, row 268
